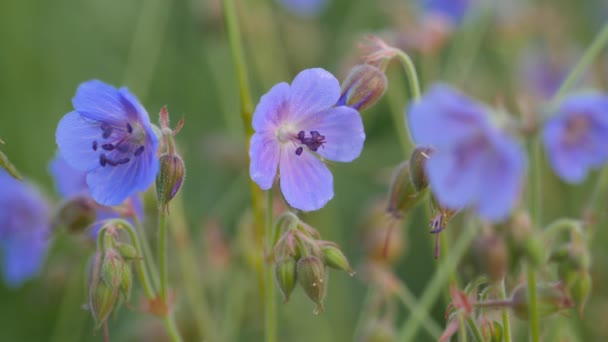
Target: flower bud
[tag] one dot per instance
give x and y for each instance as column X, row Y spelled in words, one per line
column 127, row 282
column 334, row 258
column 76, row 214
column 285, row 276
column 313, row 279
column 112, row 268
column 126, row 251
column 169, row 178
column 402, row 194
column 579, row 285
column 551, row 299
column 491, row 252
column 363, row 87
column 101, row 302
column 417, row 164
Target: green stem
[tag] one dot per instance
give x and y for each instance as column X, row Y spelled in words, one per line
column 171, row 328
column 410, row 71
column 475, row 329
column 440, row 278
column 146, row 250
column 506, row 323
column 162, row 254
column 409, row 301
column 533, row 305
column 462, row 329
column 598, row 43
column 139, row 262
column 270, row 306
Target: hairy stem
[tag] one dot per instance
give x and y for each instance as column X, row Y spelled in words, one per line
column 270, row 298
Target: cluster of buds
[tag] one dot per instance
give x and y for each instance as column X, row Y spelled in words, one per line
column 172, row 171
column 301, row 257
column 109, row 275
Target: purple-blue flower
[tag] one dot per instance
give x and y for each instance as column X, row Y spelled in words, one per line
column 576, row 137
column 305, row 8
column 474, row 163
column 452, row 10
column 294, row 126
column 110, row 138
column 24, row 230
column 70, row 183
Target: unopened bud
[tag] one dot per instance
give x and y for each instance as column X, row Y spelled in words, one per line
column 285, row 276
column 579, row 285
column 127, row 282
column 402, row 195
column 169, row 178
column 101, row 302
column 126, row 251
column 334, row 258
column 491, row 252
column 313, row 279
column 112, row 268
column 551, row 299
column 76, row 214
column 534, row 249
column 417, row 164
column 363, row 87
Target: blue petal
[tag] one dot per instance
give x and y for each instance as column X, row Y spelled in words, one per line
column 23, row 258
column 264, row 154
column 133, row 108
column 306, row 182
column 272, row 108
column 312, row 91
column 343, row 131
column 68, row 180
column 101, row 102
column 75, row 136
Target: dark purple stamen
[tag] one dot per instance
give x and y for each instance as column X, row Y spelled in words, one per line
column 102, row 159
column 299, row 150
column 123, row 161
column 139, row 151
column 107, row 130
column 108, row 147
column 94, row 145
column 315, row 141
column 129, row 128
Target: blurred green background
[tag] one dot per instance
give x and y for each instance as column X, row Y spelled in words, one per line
column 175, row 53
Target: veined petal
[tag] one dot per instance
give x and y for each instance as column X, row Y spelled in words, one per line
column 272, row 108
column 75, row 135
column 111, row 185
column 312, row 91
column 306, row 182
column 99, row 101
column 134, row 110
column 264, row 153
column 343, row 130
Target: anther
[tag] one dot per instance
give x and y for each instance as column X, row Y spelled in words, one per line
column 129, row 128
column 123, row 161
column 107, row 130
column 102, row 159
column 108, row 147
column 139, row 151
column 94, row 145
column 299, row 150
column 111, row 162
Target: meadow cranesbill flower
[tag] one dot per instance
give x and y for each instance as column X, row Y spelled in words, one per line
column 294, row 125
column 24, row 230
column 453, row 11
column 474, row 163
column 110, row 138
column 576, row 138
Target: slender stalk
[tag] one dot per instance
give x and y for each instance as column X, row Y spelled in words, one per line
column 410, row 71
column 146, row 250
column 462, row 329
column 475, row 329
column 598, row 43
column 162, row 254
column 139, row 262
column 440, row 279
column 506, row 323
column 533, row 305
column 171, row 328
column 270, row 306
column 409, row 301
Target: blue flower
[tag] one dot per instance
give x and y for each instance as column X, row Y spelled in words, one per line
column 576, row 137
column 294, row 125
column 305, row 8
column 71, row 183
column 110, row 138
column 452, row 10
column 474, row 164
column 24, row 230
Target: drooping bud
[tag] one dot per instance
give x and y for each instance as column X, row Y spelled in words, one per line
column 313, row 279
column 169, row 178
column 402, row 194
column 127, row 282
column 418, row 160
column 334, row 258
column 76, row 214
column 551, row 299
column 126, row 251
column 363, row 87
column 286, row 276
column 101, row 298
column 491, row 254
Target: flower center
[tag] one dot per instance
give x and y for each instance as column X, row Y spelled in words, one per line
column 576, row 129
column 119, row 145
column 313, row 142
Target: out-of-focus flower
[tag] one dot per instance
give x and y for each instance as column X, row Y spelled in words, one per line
column 296, row 124
column 24, row 230
column 452, row 11
column 576, row 138
column 110, row 138
column 304, row 8
column 474, row 163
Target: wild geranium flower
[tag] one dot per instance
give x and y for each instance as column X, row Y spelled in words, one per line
column 576, row 138
column 71, row 183
column 110, row 138
column 294, row 126
column 474, row 163
column 24, row 230
column 452, row 11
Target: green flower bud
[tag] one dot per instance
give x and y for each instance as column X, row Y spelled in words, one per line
column 126, row 251
column 127, row 282
column 551, row 299
column 112, row 269
column 402, row 195
column 285, row 276
column 579, row 285
column 363, row 87
column 76, row 214
column 101, row 302
column 417, row 173
column 534, row 249
column 169, row 178
column 313, row 279
column 334, row 258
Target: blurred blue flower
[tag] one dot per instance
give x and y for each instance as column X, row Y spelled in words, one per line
column 296, row 124
column 70, row 183
column 24, row 230
column 304, row 8
column 452, row 10
column 576, row 138
column 110, row 138
column 474, row 164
